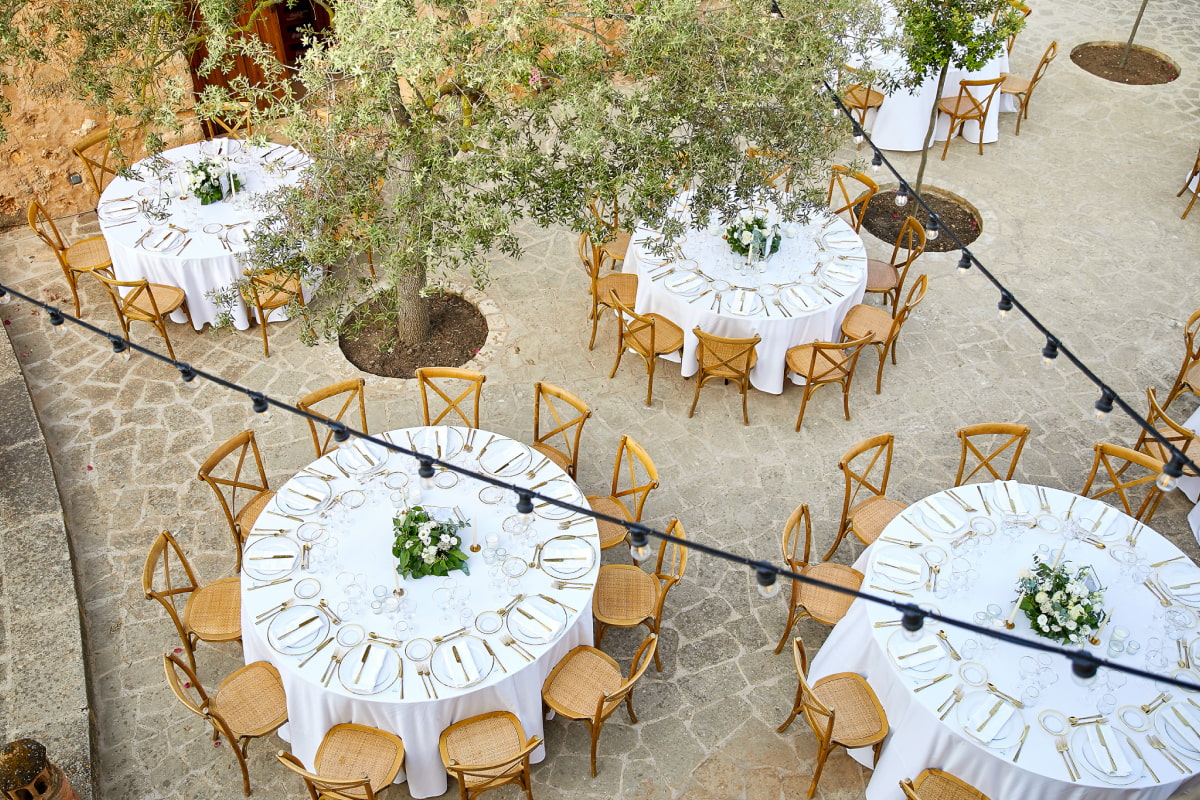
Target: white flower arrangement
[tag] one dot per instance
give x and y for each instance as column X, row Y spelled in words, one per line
column 740, row 235
column 425, row 546
column 1059, row 604
column 210, row 181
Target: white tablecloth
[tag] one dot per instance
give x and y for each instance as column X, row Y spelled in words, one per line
column 204, row 264
column 366, row 543
column 715, row 312
column 918, row 739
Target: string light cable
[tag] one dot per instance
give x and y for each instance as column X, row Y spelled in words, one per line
column 1084, row 665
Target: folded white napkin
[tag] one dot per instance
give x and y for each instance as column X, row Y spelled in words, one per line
column 273, row 565
column 305, row 635
column 1014, row 491
column 688, row 284
column 371, row 669
column 893, row 570
column 1100, row 754
column 949, row 510
column 800, row 298
column 932, row 520
column 468, row 662
column 997, row 722
column 921, row 658
column 845, row 274
column 550, row 622
column 1180, row 731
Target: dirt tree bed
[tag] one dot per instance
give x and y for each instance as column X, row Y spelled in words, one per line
column 884, row 220
column 1145, row 67
column 457, row 331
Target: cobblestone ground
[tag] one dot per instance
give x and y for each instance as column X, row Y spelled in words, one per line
column 1080, row 219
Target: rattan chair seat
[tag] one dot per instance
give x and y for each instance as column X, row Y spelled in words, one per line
column 668, row 337
column 625, row 284
column 857, row 722
column 350, row 751
column 554, row 454
column 864, row 319
column 214, row 612
column 799, row 360
column 934, row 784
column 881, row 276
column 958, row 106
column 624, row 596
column 618, row 246
column 1015, row 84
column 485, row 741
column 859, row 96
column 871, row 516
column 825, row 606
column 278, row 298
column 575, row 689
column 249, row 513
column 88, row 254
column 610, row 533
column 251, row 700
column 167, row 298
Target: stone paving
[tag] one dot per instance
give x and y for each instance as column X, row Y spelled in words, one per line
column 1080, row 220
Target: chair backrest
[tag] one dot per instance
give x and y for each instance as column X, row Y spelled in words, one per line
column 637, row 332
column 797, row 531
column 726, row 357
column 500, row 731
column 133, row 303
column 935, row 784
column 1179, row 436
column 818, row 715
column 640, row 472
column 858, row 96
column 167, row 561
column 979, row 94
column 1191, row 344
column 854, row 197
column 1006, row 439
column 589, row 256
column 235, row 474
column 187, row 687
column 268, row 289
column 437, row 380
column 916, row 294
column 232, row 120
column 347, row 393
column 43, row 225
column 1043, row 65
column 867, row 466
column 672, row 559
column 321, row 787
column 568, row 426
column 757, row 155
column 1116, row 461
column 606, row 211
column 834, row 362
column 607, row 703
column 911, row 239
column 95, row 151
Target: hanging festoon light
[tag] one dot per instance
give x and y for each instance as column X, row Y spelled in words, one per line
column 876, row 161
column 1171, row 472
column 425, row 472
column 1005, row 305
column 258, row 401
column 187, row 375
column 1084, row 667
column 341, row 433
column 912, row 621
column 1104, row 405
column 901, row 199
column 858, row 134
column 56, row 321
column 5, row 297
column 639, row 542
column 119, row 347
column 1050, row 352
column 764, row 575
column 964, row 262
column 933, row 228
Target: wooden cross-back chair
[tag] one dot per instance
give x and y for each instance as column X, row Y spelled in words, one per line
column 1020, row 7
column 353, row 762
column 244, row 471
column 887, row 277
column 934, row 784
column 823, row 363
column 760, row 156
column 588, row 685
column 1116, row 461
column 861, row 97
column 210, row 613
column 567, row 413
column 266, row 290
column 627, row 596
column 1007, row 439
column 634, row 477
column 866, row 467
column 807, row 600
column 349, row 393
column 232, row 120
column 623, row 284
column 99, row 162
column 729, row 359
column 608, row 215
column 249, row 704
column 841, row 709
column 142, row 301
column 852, row 198
column 972, row 103
column 649, row 336
column 1187, row 183
column 441, row 381
column 84, row 257
column 487, row 751
column 1188, row 378
column 1022, row 88
column 1180, row 437
column 863, row 320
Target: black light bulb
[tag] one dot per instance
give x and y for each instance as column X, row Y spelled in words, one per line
column 1104, row 405
column 765, row 576
column 1005, row 305
column 964, row 262
column 901, row 196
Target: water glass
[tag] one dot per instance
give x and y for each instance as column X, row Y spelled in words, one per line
column 1030, row 695
column 1107, row 704
column 969, row 649
column 1132, row 646
column 1047, row 677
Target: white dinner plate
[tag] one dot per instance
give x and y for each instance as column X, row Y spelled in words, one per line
column 271, row 557
column 1099, row 766
column 1181, row 579
column 562, row 492
column 379, row 658
column 439, row 441
column 119, row 210
column 1174, row 732
column 909, row 655
column 536, row 620
column 461, row 662
column 297, row 630
column 237, row 236
column 741, row 303
column 841, row 275
column 801, row 299
column 1008, row 734
column 304, row 494
column 899, row 566
column 567, row 557
column 505, row 458
column 162, row 240
column 359, row 457
column 685, row 284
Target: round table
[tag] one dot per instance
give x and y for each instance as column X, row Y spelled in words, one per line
column 981, row 570
column 198, row 248
column 800, row 295
column 471, row 673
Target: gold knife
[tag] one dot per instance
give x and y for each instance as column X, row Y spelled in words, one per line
column 463, row 667
column 916, row 652
column 1104, row 744
column 991, row 714
column 1141, row 758
column 320, row 647
column 933, row 682
column 1021, row 744
column 1184, row 720
column 495, row 658
column 893, row 591
column 527, row 615
column 899, row 567
column 306, row 622
column 363, row 663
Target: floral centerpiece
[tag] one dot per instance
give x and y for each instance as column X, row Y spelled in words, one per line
column 741, row 235
column 425, row 546
column 210, row 181
column 1060, row 604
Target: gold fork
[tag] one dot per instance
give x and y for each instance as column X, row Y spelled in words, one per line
column 508, row 641
column 1171, row 758
column 958, row 695
column 1060, row 744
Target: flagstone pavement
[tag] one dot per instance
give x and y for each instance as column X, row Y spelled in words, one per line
column 1080, row 221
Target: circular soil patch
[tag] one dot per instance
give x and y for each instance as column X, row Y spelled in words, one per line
column 456, row 333
column 1144, row 67
column 884, row 220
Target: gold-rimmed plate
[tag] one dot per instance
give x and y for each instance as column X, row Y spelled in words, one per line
column 920, row 657
column 270, row 557
column 505, row 458
column 461, row 662
column 360, row 457
column 1181, row 580
column 119, row 210
column 297, row 630
column 536, row 620
column 439, row 441
column 566, row 557
column 1098, row 764
column 1179, row 733
column 554, row 511
column 899, row 566
column 990, row 720
column 1055, row 722
column 304, row 494
column 369, row 668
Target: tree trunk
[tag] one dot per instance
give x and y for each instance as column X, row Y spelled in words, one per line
column 1133, row 33
column 933, row 115
column 412, row 316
